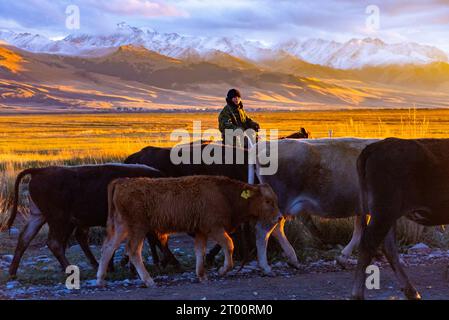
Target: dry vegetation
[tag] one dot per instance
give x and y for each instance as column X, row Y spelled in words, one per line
column 41, row 140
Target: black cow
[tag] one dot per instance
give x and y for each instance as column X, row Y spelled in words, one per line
column 301, row 134
column 69, row 198
column 400, row 178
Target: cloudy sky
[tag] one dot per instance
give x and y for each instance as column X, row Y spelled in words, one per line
column 423, row 21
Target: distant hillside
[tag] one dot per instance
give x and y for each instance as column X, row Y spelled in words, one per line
column 133, row 77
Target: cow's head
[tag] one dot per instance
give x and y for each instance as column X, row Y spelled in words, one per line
column 263, row 204
column 301, row 134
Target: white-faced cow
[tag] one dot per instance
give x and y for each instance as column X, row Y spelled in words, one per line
column 68, row 198
column 160, row 158
column 313, row 177
column 400, row 178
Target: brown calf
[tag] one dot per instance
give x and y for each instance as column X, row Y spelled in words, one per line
column 202, row 205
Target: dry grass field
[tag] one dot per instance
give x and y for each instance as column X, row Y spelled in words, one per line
column 41, row 140
column 95, row 137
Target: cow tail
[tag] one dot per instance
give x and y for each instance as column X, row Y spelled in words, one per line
column 253, row 164
column 15, row 204
column 110, row 226
column 361, row 170
column 251, row 173
column 252, row 156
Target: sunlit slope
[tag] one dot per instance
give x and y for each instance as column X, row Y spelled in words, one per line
column 10, row 61
column 433, row 76
column 135, row 78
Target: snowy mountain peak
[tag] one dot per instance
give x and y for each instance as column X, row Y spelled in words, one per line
column 26, row 41
column 353, row 54
column 123, row 27
column 358, row 53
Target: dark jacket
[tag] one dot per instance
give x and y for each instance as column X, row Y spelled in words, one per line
column 234, row 117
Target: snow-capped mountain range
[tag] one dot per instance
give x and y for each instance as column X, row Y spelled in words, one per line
column 353, row 54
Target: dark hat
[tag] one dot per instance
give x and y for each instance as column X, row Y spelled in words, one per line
column 233, row 93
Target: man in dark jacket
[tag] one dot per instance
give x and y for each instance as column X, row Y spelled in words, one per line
column 233, row 117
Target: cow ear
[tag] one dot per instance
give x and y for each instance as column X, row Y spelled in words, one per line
column 265, row 189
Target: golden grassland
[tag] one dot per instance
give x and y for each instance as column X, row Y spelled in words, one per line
column 41, row 140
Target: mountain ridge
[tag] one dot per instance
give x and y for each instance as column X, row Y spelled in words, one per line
column 353, row 54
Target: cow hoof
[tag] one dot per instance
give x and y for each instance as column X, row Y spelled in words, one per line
column 357, row 297
column 412, row 294
column 294, row 265
column 101, row 283
column 203, row 279
column 269, row 273
column 345, row 262
column 222, row 271
column 150, row 284
column 12, row 277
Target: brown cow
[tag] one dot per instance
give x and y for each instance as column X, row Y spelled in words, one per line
column 207, row 206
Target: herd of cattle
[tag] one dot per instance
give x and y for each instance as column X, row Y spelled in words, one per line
column 148, row 196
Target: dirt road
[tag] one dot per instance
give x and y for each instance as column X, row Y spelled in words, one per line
column 331, row 285
column 41, row 278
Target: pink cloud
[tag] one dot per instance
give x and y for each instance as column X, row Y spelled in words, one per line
column 141, row 8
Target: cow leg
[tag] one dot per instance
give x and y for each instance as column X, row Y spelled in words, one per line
column 200, row 250
column 111, row 267
column 82, row 236
column 226, row 243
column 110, row 245
column 57, row 242
column 356, row 235
column 161, row 242
column 135, row 245
column 210, row 257
column 391, row 252
column 37, row 220
column 262, row 235
column 153, row 241
column 371, row 238
column 169, row 258
column 290, row 253
column 345, row 255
